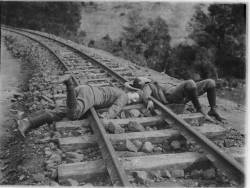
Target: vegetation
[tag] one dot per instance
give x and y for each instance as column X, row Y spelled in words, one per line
column 221, row 33
column 217, row 48
column 217, row 34
column 59, row 18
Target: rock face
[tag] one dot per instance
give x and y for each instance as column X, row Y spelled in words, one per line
column 147, row 147
column 135, row 127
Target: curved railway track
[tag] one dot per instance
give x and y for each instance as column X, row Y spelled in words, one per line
column 89, row 70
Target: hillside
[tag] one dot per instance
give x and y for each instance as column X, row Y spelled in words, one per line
column 102, row 18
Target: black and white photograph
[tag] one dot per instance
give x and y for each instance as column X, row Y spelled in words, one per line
column 123, row 93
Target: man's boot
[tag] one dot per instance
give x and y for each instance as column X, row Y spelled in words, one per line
column 71, row 98
column 211, row 95
column 34, row 122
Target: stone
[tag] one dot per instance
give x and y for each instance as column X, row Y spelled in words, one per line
column 157, row 149
column 209, row 173
column 155, row 174
column 149, row 128
column 123, row 115
column 141, row 177
column 56, row 158
column 111, row 127
column 175, row 144
column 130, row 146
column 52, row 146
column 137, row 144
column 17, row 95
column 135, row 127
column 53, row 183
column 165, row 174
column 119, row 130
column 134, row 113
column 72, row 182
column 53, row 173
column 147, row 147
column 48, row 153
column 39, row 177
column 21, row 177
column 178, row 173
column 87, row 185
column 196, row 173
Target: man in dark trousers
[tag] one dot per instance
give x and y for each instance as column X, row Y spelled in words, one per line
column 79, row 101
column 180, row 94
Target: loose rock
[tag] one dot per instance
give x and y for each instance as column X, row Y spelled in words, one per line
column 147, row 147
column 53, row 183
column 196, row 173
column 209, row 173
column 134, row 113
column 165, row 174
column 137, row 143
column 39, row 177
column 157, row 149
column 135, row 127
column 73, row 182
column 175, row 144
column 119, row 130
column 141, row 177
column 53, row 173
column 130, row 146
column 155, row 174
column 177, row 173
column 87, row 185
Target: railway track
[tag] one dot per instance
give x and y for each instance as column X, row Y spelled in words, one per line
column 158, row 129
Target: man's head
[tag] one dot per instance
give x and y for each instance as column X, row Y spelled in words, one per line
column 139, row 82
column 133, row 97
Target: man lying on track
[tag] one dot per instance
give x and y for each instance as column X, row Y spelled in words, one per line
column 79, row 101
column 179, row 94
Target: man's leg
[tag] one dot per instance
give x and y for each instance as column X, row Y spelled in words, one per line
column 209, row 86
column 184, row 92
column 38, row 119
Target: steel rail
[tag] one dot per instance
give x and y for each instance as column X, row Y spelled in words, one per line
column 224, row 162
column 115, row 169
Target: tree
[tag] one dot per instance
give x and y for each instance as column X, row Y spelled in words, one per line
column 53, row 17
column 222, row 30
column 148, row 41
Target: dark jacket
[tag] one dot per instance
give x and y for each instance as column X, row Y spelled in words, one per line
column 155, row 90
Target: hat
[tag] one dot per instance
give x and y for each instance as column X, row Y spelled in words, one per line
column 135, row 84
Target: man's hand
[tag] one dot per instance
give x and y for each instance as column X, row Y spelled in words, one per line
column 150, row 105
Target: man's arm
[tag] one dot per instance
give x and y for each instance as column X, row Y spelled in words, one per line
column 146, row 93
column 117, row 106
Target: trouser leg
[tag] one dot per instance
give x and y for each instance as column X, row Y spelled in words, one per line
column 208, row 86
column 184, row 92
